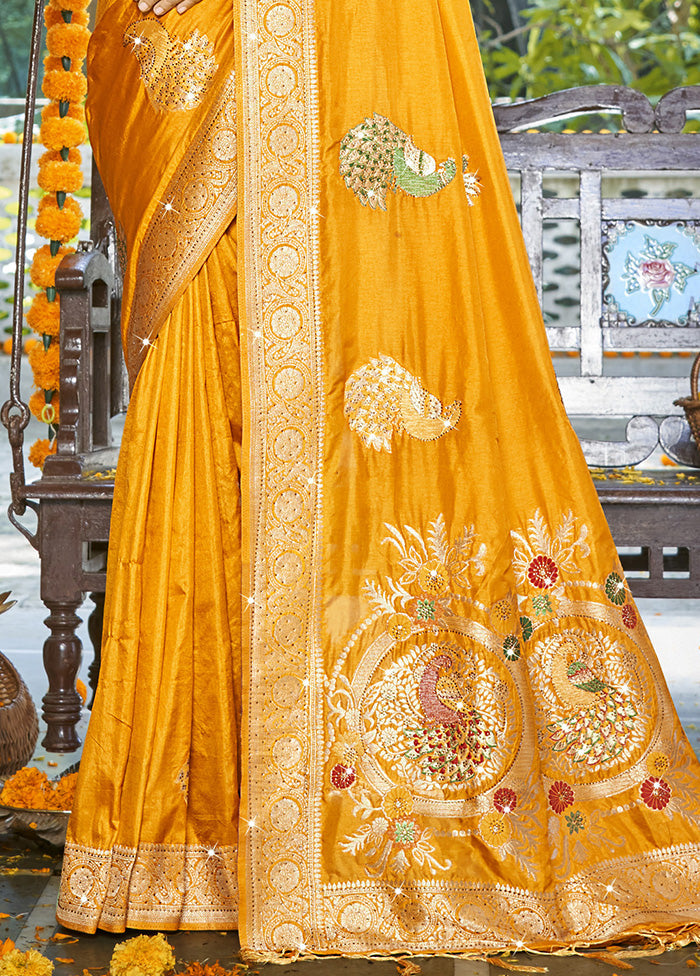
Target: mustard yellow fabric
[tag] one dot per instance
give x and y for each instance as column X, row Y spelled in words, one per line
column 452, row 731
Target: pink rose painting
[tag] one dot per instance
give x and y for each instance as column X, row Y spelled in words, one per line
column 652, row 270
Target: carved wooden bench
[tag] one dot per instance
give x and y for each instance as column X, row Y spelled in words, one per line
column 561, row 177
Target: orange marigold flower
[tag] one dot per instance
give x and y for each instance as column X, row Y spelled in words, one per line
column 9, row 137
column 54, row 176
column 43, row 269
column 45, row 412
column 52, row 111
column 38, row 453
column 56, row 64
column 44, row 317
column 74, row 5
column 56, row 133
column 58, row 223
column 7, row 346
column 30, row 788
column 65, row 86
column 54, row 156
column 67, row 40
column 52, row 15
column 147, row 955
column 45, row 365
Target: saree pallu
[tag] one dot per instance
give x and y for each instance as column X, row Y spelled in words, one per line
column 451, row 733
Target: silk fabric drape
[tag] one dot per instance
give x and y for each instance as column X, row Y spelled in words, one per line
column 454, row 732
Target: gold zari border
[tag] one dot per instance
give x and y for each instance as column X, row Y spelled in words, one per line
column 197, row 207
column 152, row 886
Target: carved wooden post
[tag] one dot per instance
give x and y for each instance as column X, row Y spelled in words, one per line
column 95, row 624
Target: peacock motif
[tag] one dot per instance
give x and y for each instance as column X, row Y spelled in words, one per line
column 455, row 740
column 176, row 73
column 377, row 156
column 601, row 718
column 382, row 397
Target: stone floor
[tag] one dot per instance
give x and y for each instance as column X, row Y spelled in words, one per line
column 29, row 878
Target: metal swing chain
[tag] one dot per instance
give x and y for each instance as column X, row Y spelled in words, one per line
column 15, row 413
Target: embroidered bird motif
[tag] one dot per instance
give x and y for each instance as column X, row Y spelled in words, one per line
column 175, row 73
column 454, row 740
column 382, row 397
column 601, row 718
column 377, row 156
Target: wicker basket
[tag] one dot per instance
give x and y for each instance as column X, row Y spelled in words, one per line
column 19, row 726
column 691, row 404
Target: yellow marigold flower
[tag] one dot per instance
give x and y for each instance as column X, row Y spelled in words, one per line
column 45, row 365
column 495, row 828
column 144, row 955
column 503, row 615
column 40, row 450
column 657, row 764
column 58, row 223
column 44, row 265
column 67, row 41
column 399, row 626
column 29, row 963
column 433, row 577
column 55, row 133
column 44, row 317
column 65, row 86
column 44, row 411
column 9, row 137
column 398, row 803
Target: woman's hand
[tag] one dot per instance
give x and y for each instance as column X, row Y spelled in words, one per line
column 160, row 7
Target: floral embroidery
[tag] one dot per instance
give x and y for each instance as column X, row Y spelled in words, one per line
column 655, row 792
column 561, row 796
column 615, row 589
column 505, row 800
column 176, row 73
column 575, row 821
column 183, row 780
column 542, row 604
column 377, row 156
column 653, row 271
column 472, row 186
column 398, row 802
column 629, row 616
column 383, row 398
column 657, row 764
column 527, row 628
column 511, row 648
column 503, row 615
column 343, row 777
column 431, row 570
column 541, row 556
column 495, row 829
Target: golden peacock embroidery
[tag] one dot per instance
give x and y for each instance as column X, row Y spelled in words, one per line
column 176, row 73
column 376, row 156
column 382, row 397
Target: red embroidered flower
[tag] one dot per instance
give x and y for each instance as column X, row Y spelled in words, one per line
column 342, row 777
column 542, row 572
column 505, row 800
column 629, row 616
column 655, row 792
column 561, row 796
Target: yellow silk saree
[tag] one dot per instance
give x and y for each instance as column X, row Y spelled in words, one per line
column 393, row 693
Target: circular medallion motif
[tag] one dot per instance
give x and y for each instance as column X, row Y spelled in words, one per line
column 285, row 876
column 280, row 20
column 289, row 382
column 285, row 322
column 195, row 196
column 288, row 567
column 289, row 444
column 355, row 917
column 287, row 690
column 288, row 630
column 284, row 261
column 224, row 146
column 446, row 715
column 283, row 140
column 285, row 814
column 287, row 752
column 283, row 200
column 288, row 936
column 288, row 506
column 281, row 80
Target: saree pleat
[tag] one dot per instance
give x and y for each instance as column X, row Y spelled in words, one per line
column 163, row 848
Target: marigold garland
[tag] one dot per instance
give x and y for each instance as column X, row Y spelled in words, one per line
column 31, row 789
column 62, row 131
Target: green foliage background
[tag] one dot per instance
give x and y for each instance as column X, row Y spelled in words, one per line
column 15, row 31
column 651, row 45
